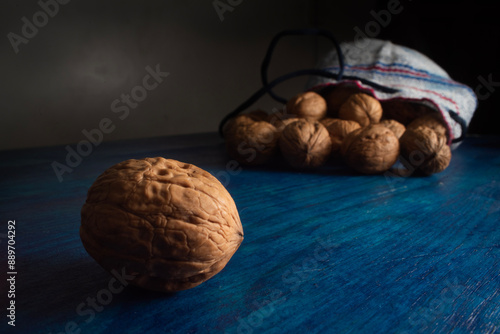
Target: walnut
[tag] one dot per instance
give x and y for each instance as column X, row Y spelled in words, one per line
column 404, row 111
column 251, row 142
column 394, row 126
column 308, row 105
column 169, row 224
column 305, row 144
column 338, row 130
column 433, row 121
column 281, row 119
column 336, row 97
column 361, row 108
column 258, row 115
column 253, row 116
column 425, row 149
column 370, row 150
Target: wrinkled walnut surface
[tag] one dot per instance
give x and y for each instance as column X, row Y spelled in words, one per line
column 305, row 144
column 432, row 121
column 370, row 150
column 170, row 224
column 425, row 150
column 281, row 119
column 361, row 108
column 336, row 97
column 394, row 126
column 251, row 142
column 308, row 105
column 338, row 130
column 244, row 119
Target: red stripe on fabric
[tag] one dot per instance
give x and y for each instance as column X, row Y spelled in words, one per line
column 376, row 67
column 391, row 69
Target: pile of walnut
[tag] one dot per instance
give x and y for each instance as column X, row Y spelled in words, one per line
column 346, row 124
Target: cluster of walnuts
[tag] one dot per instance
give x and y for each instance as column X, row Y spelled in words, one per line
column 342, row 123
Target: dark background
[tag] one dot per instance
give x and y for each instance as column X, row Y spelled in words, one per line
column 463, row 37
column 64, row 80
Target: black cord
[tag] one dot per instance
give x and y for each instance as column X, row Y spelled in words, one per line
column 313, row 32
column 268, row 86
column 463, row 125
column 262, row 91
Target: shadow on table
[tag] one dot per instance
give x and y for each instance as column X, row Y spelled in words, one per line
column 334, row 168
column 68, row 291
column 279, row 165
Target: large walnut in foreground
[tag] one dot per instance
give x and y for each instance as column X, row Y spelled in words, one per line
column 169, row 224
column 371, row 150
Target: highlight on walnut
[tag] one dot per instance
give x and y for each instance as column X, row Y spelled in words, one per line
column 342, row 123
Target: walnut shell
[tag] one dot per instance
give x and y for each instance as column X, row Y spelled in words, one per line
column 338, row 130
column 251, row 142
column 281, row 119
column 433, row 121
column 308, row 105
column 169, row 224
column 371, row 150
column 394, row 126
column 305, row 144
column 241, row 119
column 336, row 97
column 361, row 108
column 425, row 150
column 404, row 111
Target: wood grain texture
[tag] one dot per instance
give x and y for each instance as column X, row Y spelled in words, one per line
column 330, row 251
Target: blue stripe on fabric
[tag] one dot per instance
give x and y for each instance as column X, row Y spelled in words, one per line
column 453, row 84
column 402, row 65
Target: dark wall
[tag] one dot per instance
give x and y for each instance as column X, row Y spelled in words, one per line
column 463, row 37
column 64, row 80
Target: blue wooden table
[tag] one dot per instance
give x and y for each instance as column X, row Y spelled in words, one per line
column 330, row 251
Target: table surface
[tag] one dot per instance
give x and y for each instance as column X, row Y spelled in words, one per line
column 329, row 251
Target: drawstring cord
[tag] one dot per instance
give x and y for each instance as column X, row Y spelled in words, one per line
column 313, row 32
column 268, row 86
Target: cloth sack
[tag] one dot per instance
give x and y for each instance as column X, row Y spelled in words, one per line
column 389, row 71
